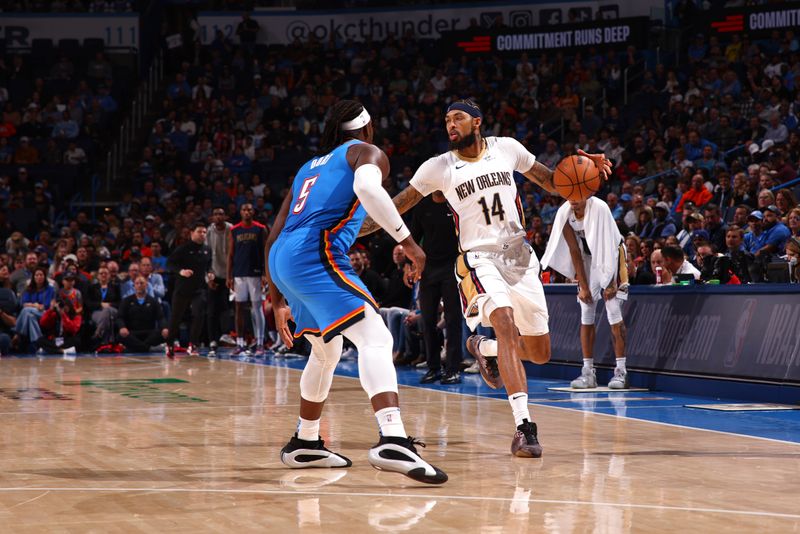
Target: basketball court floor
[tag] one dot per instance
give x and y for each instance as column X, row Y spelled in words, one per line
column 141, row 444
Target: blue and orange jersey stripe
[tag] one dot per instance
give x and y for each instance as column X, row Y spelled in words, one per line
column 342, row 323
column 336, row 272
column 350, row 213
column 304, row 331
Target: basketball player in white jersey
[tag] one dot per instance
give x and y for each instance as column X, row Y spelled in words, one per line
column 586, row 245
column 497, row 272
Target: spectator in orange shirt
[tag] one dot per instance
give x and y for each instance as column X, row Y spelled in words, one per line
column 26, row 154
column 698, row 194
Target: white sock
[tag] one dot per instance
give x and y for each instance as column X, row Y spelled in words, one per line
column 390, row 422
column 488, row 347
column 239, row 341
column 588, row 364
column 621, row 365
column 519, row 407
column 308, row 430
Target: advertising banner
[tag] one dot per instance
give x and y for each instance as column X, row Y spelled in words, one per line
column 283, row 27
column 118, row 30
column 620, row 33
column 725, row 332
column 755, row 21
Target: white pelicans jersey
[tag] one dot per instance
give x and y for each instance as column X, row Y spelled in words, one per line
column 481, row 192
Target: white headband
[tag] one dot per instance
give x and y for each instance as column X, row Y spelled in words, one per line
column 357, row 123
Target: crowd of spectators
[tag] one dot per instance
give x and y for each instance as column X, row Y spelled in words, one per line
column 701, row 155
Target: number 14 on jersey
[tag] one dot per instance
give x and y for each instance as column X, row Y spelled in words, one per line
column 496, row 211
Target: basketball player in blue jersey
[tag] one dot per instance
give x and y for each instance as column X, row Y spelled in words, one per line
column 309, row 268
column 246, row 276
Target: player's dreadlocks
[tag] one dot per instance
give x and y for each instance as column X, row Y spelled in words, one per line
column 333, row 136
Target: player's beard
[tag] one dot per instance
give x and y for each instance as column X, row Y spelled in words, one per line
column 464, row 142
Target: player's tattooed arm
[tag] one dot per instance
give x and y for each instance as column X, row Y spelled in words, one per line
column 403, row 201
column 541, row 176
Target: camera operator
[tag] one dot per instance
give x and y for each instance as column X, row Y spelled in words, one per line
column 60, row 325
column 715, row 266
column 741, row 259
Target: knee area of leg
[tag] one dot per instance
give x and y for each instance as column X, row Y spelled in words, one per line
column 541, row 358
column 325, row 361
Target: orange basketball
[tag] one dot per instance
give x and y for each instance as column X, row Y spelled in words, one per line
column 576, row 178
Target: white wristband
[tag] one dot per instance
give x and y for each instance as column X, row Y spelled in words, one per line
column 368, row 187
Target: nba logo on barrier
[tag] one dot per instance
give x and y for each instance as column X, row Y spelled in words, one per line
column 737, row 343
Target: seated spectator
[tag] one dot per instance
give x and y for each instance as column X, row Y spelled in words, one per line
column 773, row 236
column 141, row 320
column 698, row 194
column 715, row 226
column 776, row 131
column 741, row 259
column 155, row 283
column 102, row 304
column 371, row 279
column 793, row 257
column 21, row 276
column 8, row 315
column 785, row 201
column 26, row 153
column 752, row 236
column 662, row 275
column 396, row 301
column 675, row 262
column 17, row 244
column 37, row 297
column 68, row 292
column 127, row 289
column 617, row 210
column 60, row 326
column 663, row 225
column 5, row 278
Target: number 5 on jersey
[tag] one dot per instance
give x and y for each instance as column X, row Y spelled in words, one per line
column 303, row 196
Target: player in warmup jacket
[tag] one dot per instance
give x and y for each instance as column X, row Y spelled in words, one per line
column 310, row 269
column 586, row 244
column 246, row 276
column 497, row 272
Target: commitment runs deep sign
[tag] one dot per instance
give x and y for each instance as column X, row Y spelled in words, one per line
column 609, row 33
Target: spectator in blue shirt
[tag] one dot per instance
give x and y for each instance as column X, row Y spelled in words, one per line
column 773, row 239
column 37, row 297
column 663, row 225
column 694, row 148
column 66, row 128
column 238, row 162
column 751, row 238
column 698, row 49
column 179, row 89
column 616, row 208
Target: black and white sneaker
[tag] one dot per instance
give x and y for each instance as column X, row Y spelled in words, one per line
column 302, row 454
column 400, row 455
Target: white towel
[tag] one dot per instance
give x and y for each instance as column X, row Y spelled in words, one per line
column 602, row 236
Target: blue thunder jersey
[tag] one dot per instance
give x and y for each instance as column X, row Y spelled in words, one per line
column 323, row 197
column 308, row 262
column 248, row 249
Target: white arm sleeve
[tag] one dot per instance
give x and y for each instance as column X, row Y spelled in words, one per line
column 367, row 185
